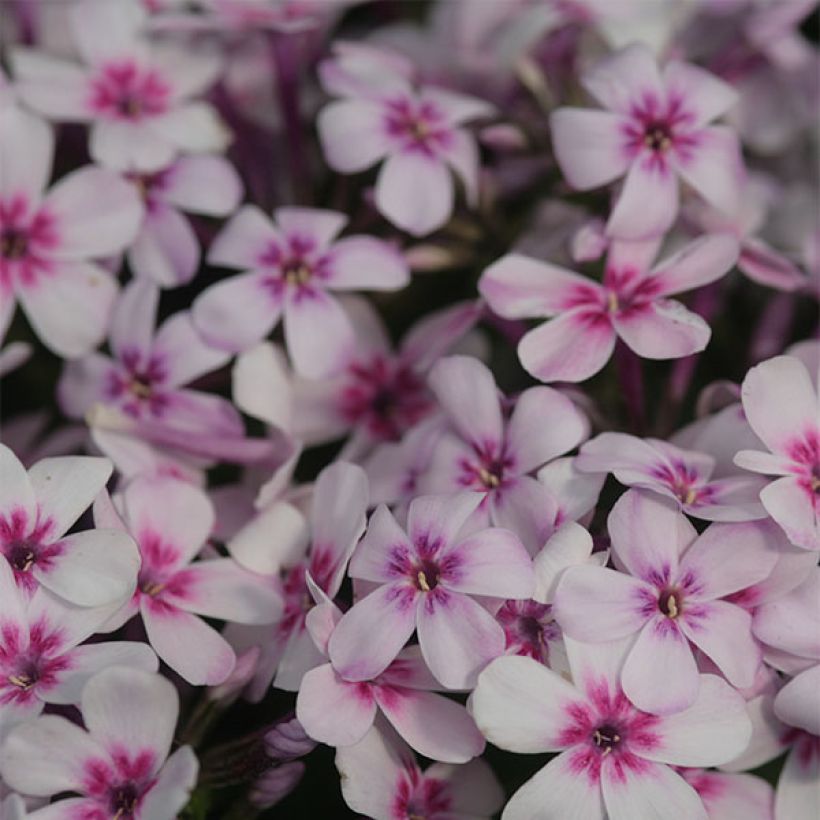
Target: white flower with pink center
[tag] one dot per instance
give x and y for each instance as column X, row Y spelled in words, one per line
column 118, row 766
column 381, row 779
column 433, row 725
column 290, row 268
column 295, row 553
column 654, row 131
column 171, row 521
column 630, row 305
column 48, row 240
column 93, row 568
column 615, row 760
column 136, row 95
column 684, row 475
column 672, row 592
column 41, row 660
column 418, row 132
column 780, row 400
column 495, row 454
column 426, row 577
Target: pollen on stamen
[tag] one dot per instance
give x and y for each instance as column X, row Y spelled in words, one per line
column 422, row 579
column 612, row 301
column 23, row 682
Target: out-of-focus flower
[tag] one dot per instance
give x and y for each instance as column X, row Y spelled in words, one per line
column 289, row 268
column 119, row 765
column 631, row 304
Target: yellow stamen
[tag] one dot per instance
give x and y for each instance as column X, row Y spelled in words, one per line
column 672, row 606
column 298, row 276
column 422, row 578
column 612, row 302
column 23, row 681
column 690, row 496
column 488, row 479
column 153, row 588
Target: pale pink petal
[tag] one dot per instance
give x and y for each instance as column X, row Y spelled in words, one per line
column 572, row 347
column 262, row 385
column 461, row 154
column 133, row 709
column 432, row 519
column 796, row 509
column 298, row 658
column 185, row 356
column 660, row 675
column 192, row 411
column 713, row 730
column 134, row 320
column 698, row 263
column 372, row 558
column 458, row 637
column 166, row 250
column 66, row 486
column 236, row 313
column 433, row 725
column 195, row 127
column 70, row 310
column 254, row 549
column 437, row 332
column 415, row 192
column 317, row 225
column 45, row 756
column 648, row 535
column 177, row 513
column 105, row 33
column 173, row 787
column 220, row 588
column 646, row 181
column 796, row 702
column 527, row 508
column 598, row 604
column 333, row 711
column 560, row 789
column 244, row 240
column 589, row 145
column 518, row 287
column 125, row 146
column 371, row 634
column 733, row 796
column 466, row 390
column 714, row 167
column 366, row 263
column 731, row 499
column 766, row 266
column 474, row 789
column 760, row 462
column 798, row 789
column 648, row 790
column 628, row 76
column 571, row 544
column 576, row 493
column 194, row 650
column 543, row 425
column 14, row 625
column 795, row 410
column 352, row 134
column 458, row 108
column 26, row 154
column 203, row 185
column 318, row 333
column 633, row 460
column 792, row 621
column 16, row 492
column 521, row 705
column 702, row 94
column 68, row 809
column 190, row 69
column 724, row 632
column 50, row 85
column 94, row 568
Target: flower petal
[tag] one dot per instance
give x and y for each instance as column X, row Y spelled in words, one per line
column 796, row 702
column 629, row 75
column 436, row 520
column 352, row 135
column 796, row 509
column 203, row 185
column 384, row 541
column 166, row 251
column 646, row 181
column 26, row 154
column 16, row 492
column 703, row 94
column 366, row 263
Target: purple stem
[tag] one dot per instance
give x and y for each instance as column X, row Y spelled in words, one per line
column 630, row 376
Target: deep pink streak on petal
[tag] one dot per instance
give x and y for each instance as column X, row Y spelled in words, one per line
column 124, row 91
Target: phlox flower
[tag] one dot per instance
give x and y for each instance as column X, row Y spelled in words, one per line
column 630, row 305
column 418, row 132
column 672, row 591
column 49, row 239
column 780, row 401
column 487, row 451
column 285, row 547
column 381, row 779
column 654, row 130
column 118, row 764
column 171, row 521
column 684, row 475
column 433, row 725
column 731, row 796
column 136, row 94
column 41, row 660
column 425, row 579
column 615, row 760
column 37, row 508
column 289, row 268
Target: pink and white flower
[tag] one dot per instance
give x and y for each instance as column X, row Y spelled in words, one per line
column 136, row 94
column 290, row 267
column 166, row 248
column 340, row 712
column 41, row 660
column 672, row 591
column 48, row 240
column 171, row 521
column 654, row 130
column 781, row 404
column 381, row 779
column 426, row 577
column 684, row 475
column 37, row 508
column 416, row 131
column 615, row 760
column 630, row 305
column 118, row 765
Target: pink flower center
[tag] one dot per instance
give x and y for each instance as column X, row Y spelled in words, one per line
column 427, row 574
column 670, row 602
column 22, row 555
column 607, row 737
column 417, row 126
column 124, row 799
column 26, row 237
column 13, row 243
column 657, row 136
column 126, row 91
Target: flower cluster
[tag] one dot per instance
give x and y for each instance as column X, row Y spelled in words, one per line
column 409, row 379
